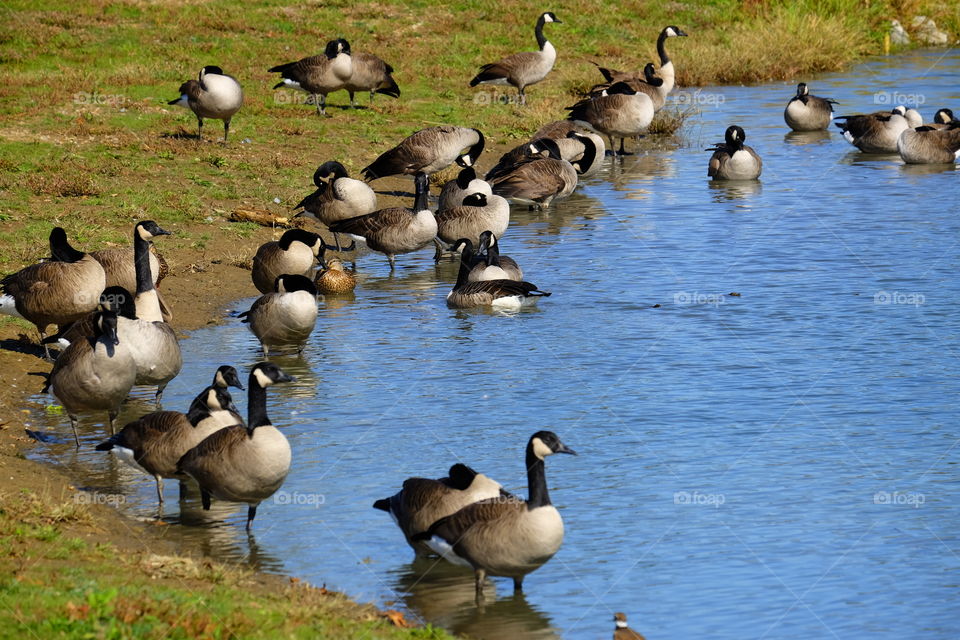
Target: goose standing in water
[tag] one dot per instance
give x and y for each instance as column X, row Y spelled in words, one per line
column 295, row 253
column 243, row 463
column 621, row 113
column 285, row 317
column 318, row 75
column 94, row 373
column 505, row 536
column 733, row 160
column 478, row 213
column 56, row 292
column 537, row 181
column 395, row 230
column 507, row 295
column 214, row 95
column 522, row 69
column 466, row 183
column 807, row 112
column 495, row 266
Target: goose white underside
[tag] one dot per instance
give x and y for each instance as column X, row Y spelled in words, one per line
column 184, row 102
column 444, row 549
column 293, row 84
column 8, row 306
column 848, row 137
column 127, row 456
column 512, row 303
column 495, row 81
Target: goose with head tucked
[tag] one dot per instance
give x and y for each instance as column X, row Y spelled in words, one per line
column 477, row 214
column 466, row 183
column 395, row 230
column 370, row 73
column 930, row 145
column 505, row 536
column 338, row 197
column 214, row 95
column 60, row 291
column 876, row 132
column 94, row 373
column 243, row 463
column 155, row 442
column 522, row 69
column 295, row 253
column 285, row 317
column 806, row 112
column 537, row 181
column 318, row 75
column 423, row 501
column 732, row 159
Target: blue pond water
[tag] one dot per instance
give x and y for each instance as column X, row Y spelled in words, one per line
column 782, row 463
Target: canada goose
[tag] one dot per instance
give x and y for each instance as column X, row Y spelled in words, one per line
column 154, row 443
column 428, row 151
column 372, row 74
column 225, row 376
column 941, row 119
column 465, row 184
column 928, row 145
column 733, row 160
column 875, row 132
column 397, row 229
column 94, row 374
column 318, row 75
column 285, row 317
column 805, row 112
column 116, row 299
column 423, row 501
column 478, row 213
column 648, row 83
column 622, row 113
column 538, row 181
column 621, row 631
column 666, row 72
column 572, row 149
column 339, row 198
column 243, row 463
column 151, row 341
column 295, row 253
column 496, row 266
column 335, row 279
column 118, row 266
column 508, row 295
column 522, row 69
column 56, row 292
column 213, row 95
column 505, row 536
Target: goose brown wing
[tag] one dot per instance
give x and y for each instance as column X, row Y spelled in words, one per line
column 452, row 528
column 213, row 446
column 499, row 288
column 371, row 223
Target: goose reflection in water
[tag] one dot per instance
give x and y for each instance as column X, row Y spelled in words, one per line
column 445, row 595
column 807, row 137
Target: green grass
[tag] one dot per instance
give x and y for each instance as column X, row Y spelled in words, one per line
column 57, row 585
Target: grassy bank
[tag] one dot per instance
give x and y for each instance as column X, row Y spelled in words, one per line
column 88, row 141
column 59, row 583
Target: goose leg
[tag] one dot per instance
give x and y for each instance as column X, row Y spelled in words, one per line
column 611, row 149
column 518, row 585
column 316, row 101
column 523, row 96
column 353, row 102
column 622, row 152
column 113, row 421
column 205, row 499
column 183, row 489
column 392, row 261
column 226, row 129
column 159, row 488
column 160, row 388
column 251, row 514
column 440, row 250
column 479, row 575
column 199, row 128
column 73, row 424
column 372, row 93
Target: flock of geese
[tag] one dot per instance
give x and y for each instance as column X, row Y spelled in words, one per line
column 114, row 326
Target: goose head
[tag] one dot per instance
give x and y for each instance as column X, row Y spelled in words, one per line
column 650, row 75
column 332, row 50
column 288, row 283
column 264, row 374
column 621, row 88
column 943, row 116
column 735, row 136
column 148, row 229
column 545, row 147
column 105, row 323
column 330, row 168
column 470, row 157
column 548, row 16
column 118, row 300
column 226, row 376
column 672, row 32
column 802, row 90
column 343, row 46
column 475, row 200
column 309, row 238
column 219, row 399
column 210, row 69
column 547, row 443
column 466, row 176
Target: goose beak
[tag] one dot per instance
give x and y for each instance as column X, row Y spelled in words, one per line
column 681, row 33
column 285, row 377
column 565, row 449
column 162, row 232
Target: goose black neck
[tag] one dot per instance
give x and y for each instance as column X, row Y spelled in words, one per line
column 465, row 177
column 60, row 249
column 466, row 259
column 589, row 154
column 493, row 255
column 423, row 194
column 198, row 408
column 662, row 48
column 256, row 406
column 536, row 480
column 541, row 39
column 141, row 262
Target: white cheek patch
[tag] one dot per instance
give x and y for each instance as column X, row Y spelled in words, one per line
column 547, row 18
column 467, row 161
column 219, row 381
column 262, row 379
column 540, row 449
